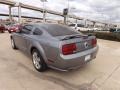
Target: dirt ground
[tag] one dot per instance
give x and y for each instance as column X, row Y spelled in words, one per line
column 18, row 73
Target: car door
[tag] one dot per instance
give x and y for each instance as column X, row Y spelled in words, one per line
column 23, row 37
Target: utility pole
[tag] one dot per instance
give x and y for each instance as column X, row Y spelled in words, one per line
column 67, row 18
column 10, row 13
column 19, row 13
column 18, row 4
column 44, row 10
column 65, row 13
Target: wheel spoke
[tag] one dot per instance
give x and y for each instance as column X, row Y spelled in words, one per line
column 12, row 42
column 36, row 60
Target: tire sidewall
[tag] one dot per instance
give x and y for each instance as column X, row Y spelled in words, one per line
column 12, row 43
column 42, row 62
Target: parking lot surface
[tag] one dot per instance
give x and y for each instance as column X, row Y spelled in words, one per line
column 18, row 73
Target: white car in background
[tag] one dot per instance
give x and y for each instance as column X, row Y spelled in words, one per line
column 79, row 27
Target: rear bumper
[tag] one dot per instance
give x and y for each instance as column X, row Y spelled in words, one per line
column 74, row 61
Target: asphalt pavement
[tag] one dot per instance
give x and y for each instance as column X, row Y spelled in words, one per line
column 18, row 73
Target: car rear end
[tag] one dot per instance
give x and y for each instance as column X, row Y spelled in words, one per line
column 76, row 52
column 13, row 28
column 2, row 28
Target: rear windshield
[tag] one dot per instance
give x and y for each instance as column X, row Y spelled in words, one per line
column 58, row 30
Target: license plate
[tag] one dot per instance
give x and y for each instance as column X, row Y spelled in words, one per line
column 87, row 58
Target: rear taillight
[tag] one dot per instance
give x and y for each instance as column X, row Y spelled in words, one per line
column 94, row 42
column 68, row 49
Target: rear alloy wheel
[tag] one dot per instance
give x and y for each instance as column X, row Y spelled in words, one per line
column 13, row 44
column 38, row 61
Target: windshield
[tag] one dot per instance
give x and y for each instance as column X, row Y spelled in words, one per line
column 58, row 30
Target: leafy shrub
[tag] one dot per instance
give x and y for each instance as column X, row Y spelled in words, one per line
column 105, row 35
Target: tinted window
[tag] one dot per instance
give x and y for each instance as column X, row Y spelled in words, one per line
column 80, row 25
column 72, row 25
column 118, row 29
column 37, row 31
column 58, row 30
column 27, row 29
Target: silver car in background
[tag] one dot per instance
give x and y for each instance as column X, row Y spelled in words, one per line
column 55, row 46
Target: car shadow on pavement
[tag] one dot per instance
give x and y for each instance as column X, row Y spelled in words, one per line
column 48, row 75
column 58, row 81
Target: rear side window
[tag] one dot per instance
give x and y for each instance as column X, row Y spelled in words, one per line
column 58, row 30
column 27, row 29
column 37, row 31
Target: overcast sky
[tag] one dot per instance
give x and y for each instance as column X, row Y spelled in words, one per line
column 102, row 10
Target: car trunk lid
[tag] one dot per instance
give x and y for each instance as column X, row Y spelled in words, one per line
column 82, row 42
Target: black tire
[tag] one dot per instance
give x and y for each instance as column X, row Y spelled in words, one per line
column 9, row 31
column 41, row 65
column 13, row 44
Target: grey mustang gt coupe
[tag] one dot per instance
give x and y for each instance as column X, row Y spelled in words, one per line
column 55, row 46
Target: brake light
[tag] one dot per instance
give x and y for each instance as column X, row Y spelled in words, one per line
column 94, row 42
column 69, row 49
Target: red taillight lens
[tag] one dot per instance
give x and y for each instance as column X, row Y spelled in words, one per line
column 68, row 49
column 94, row 42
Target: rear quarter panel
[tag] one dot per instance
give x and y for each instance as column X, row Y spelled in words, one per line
column 51, row 48
column 47, row 46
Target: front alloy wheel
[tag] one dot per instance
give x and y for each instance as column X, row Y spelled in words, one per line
column 38, row 61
